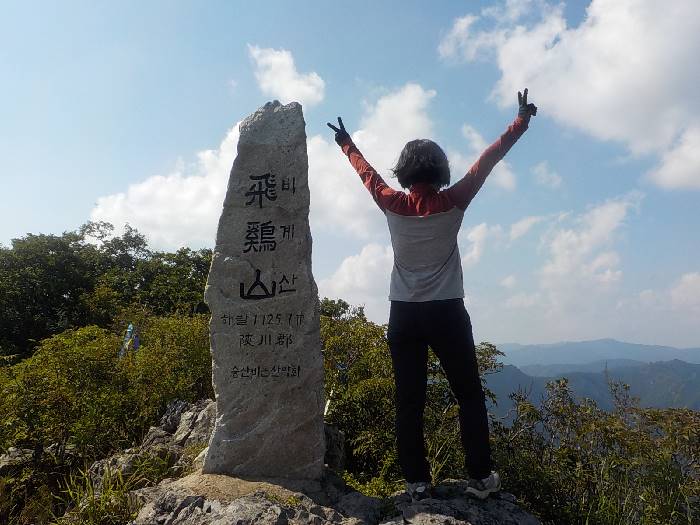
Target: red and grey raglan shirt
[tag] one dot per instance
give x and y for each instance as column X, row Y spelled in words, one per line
column 424, row 222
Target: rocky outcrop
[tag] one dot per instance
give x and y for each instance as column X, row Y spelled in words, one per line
column 184, row 425
column 203, row 499
column 14, row 458
column 451, row 505
column 216, row 499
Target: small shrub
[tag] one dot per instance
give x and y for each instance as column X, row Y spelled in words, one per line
column 109, row 503
column 74, row 401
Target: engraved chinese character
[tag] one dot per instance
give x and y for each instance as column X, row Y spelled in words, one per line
column 258, row 290
column 284, row 340
column 260, row 237
column 246, row 340
column 265, row 187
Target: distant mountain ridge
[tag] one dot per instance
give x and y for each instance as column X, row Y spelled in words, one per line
column 595, row 366
column 664, row 384
column 586, row 352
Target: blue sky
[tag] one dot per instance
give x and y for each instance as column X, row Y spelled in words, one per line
column 127, row 111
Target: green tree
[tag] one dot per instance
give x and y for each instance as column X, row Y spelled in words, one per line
column 42, row 281
column 51, row 283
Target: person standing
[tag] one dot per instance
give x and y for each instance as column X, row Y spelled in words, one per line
column 427, row 295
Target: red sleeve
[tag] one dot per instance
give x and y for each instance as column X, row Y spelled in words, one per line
column 384, row 195
column 462, row 192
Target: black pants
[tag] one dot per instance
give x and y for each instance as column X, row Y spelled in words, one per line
column 445, row 327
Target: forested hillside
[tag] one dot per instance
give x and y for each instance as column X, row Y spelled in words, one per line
column 50, row 283
column 73, row 390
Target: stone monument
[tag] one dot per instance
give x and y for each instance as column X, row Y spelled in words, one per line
column 265, row 342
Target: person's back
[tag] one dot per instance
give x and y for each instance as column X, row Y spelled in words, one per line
column 423, row 231
column 426, row 294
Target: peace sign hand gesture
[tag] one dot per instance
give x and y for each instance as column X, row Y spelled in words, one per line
column 340, row 133
column 526, row 110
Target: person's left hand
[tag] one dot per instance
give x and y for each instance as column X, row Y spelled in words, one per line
column 526, row 110
column 340, row 134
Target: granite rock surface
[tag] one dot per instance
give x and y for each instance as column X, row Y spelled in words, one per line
column 267, row 365
column 202, row 499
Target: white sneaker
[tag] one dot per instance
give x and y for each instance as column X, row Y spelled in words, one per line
column 481, row 488
column 419, row 490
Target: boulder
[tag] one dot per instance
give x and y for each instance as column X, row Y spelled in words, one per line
column 15, row 458
column 183, row 425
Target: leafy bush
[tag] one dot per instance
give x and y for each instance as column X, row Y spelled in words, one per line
column 74, row 401
column 70, row 389
column 572, row 462
column 173, row 363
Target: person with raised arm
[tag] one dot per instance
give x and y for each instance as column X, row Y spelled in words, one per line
column 427, row 295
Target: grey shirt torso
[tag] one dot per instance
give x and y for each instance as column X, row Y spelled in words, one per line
column 427, row 264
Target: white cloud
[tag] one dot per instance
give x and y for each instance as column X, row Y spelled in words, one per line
column 579, row 279
column 502, row 174
column 459, row 40
column 278, row 77
column 363, row 279
column 523, row 300
column 577, row 255
column 685, row 294
column 647, row 298
column 618, row 75
column 680, row 165
column 577, row 292
column 178, row 209
column 395, row 119
column 339, row 201
column 509, row 281
column 512, row 10
column 520, row 228
column 476, row 238
column 545, row 176
column 668, row 315
column 182, row 207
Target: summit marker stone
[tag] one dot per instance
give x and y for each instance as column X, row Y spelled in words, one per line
column 267, row 366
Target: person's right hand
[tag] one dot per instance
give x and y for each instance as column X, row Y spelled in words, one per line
column 340, row 134
column 526, row 110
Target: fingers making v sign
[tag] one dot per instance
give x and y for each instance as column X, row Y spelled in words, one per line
column 525, row 110
column 340, row 133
